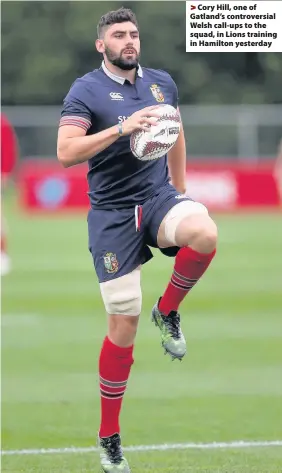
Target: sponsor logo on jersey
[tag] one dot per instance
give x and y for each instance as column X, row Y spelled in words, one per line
column 116, row 96
column 111, row 263
column 122, row 118
column 157, row 93
column 181, row 196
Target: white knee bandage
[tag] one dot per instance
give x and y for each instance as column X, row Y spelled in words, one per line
column 177, row 214
column 123, row 295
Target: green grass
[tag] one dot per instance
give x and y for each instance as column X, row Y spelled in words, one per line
column 228, row 388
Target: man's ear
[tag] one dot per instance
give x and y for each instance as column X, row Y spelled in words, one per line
column 99, row 43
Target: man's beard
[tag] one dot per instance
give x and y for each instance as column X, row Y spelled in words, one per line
column 119, row 61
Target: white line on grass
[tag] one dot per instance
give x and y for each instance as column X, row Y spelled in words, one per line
column 150, row 448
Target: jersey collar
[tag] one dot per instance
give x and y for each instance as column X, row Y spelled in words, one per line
column 120, row 80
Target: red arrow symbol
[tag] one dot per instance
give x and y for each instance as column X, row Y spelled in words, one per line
column 193, row 7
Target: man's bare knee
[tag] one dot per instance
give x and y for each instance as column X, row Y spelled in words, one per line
column 197, row 231
column 123, row 299
column 122, row 329
column 189, row 222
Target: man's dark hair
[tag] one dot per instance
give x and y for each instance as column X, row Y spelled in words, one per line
column 116, row 16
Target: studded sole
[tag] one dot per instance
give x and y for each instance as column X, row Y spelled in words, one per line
column 166, row 351
column 173, row 357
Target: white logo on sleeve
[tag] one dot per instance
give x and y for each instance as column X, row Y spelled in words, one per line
column 116, row 96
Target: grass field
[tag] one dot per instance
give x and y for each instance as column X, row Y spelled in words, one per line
column 228, row 388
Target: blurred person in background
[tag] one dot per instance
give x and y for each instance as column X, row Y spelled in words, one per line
column 278, row 171
column 9, row 155
column 133, row 206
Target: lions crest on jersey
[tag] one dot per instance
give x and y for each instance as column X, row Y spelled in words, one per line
column 110, row 263
column 157, row 93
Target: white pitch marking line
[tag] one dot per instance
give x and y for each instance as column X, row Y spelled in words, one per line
column 150, row 448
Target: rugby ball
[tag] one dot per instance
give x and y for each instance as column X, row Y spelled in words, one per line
column 160, row 138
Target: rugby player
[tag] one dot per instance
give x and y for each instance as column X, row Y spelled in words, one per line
column 9, row 157
column 134, row 204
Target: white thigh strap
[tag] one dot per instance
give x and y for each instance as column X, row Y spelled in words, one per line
column 123, row 295
column 177, row 214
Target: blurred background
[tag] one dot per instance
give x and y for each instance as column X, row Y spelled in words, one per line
column 53, row 321
column 231, row 103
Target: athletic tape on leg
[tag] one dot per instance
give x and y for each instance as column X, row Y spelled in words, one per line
column 122, row 296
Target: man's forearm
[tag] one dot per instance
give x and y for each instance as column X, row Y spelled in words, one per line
column 177, row 163
column 76, row 150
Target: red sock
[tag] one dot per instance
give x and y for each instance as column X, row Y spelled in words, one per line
column 188, row 268
column 114, row 368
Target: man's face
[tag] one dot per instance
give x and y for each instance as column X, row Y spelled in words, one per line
column 121, row 45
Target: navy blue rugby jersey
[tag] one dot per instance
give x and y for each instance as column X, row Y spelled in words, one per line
column 99, row 100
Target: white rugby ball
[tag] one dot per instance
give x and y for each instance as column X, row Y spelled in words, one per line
column 160, row 138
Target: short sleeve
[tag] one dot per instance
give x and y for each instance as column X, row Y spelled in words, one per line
column 172, row 87
column 75, row 111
